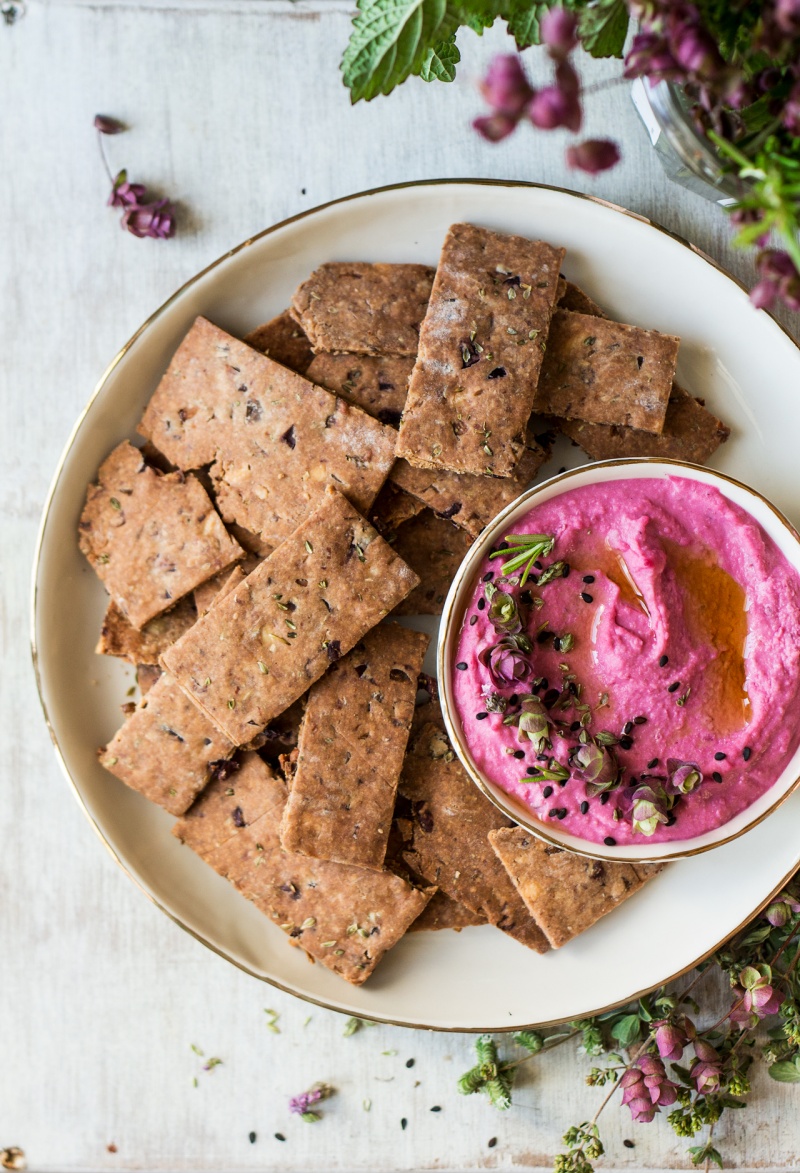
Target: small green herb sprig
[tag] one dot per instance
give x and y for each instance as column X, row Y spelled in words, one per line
column 522, row 550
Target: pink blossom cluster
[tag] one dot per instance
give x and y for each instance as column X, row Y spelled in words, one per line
column 646, row 1088
column 513, row 99
column 141, row 216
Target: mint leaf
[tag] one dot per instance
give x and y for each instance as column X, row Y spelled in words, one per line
column 603, row 28
column 786, row 1072
column 626, row 1031
column 523, row 19
column 390, row 41
column 441, row 61
column 480, row 16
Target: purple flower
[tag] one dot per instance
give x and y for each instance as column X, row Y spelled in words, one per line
column 156, row 220
column 550, row 108
column 791, row 112
column 695, row 50
column 596, row 766
column 706, row 1069
column 559, row 31
column 670, row 1040
column 124, row 194
column 593, row 155
column 506, row 87
column 646, row 1088
column 778, row 279
column 684, row 777
column 495, row 127
column 755, row 997
column 787, row 16
column 649, row 55
column 508, row 661
column 745, row 217
column 302, row 1105
column 781, row 910
column 106, row 125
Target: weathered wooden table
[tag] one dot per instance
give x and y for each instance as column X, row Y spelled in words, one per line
column 235, row 109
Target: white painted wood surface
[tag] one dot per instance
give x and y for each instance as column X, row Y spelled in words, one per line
column 235, row 109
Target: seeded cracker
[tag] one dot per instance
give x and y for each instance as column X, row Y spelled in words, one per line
column 435, row 549
column 392, row 507
column 573, row 298
column 301, row 609
column 284, row 341
column 448, row 821
column 351, row 748
column 377, row 385
column 690, row 432
column 146, row 676
column 237, row 797
column 119, row 638
column 345, row 917
column 217, row 588
column 443, row 913
column 150, row 538
column 362, row 308
column 606, row 372
column 274, row 440
column 471, row 502
column 480, row 352
column 566, row 893
column 166, row 748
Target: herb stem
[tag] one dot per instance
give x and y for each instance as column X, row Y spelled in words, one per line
column 102, row 147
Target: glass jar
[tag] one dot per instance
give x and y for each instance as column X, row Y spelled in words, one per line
column 685, row 154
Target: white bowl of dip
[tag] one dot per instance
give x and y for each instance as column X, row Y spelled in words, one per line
column 671, row 722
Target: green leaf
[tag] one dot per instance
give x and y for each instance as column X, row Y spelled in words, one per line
column 626, row 1030
column 477, row 16
column 787, row 1071
column 603, row 28
column 530, row 1039
column 702, row 1153
column 441, row 61
column 390, row 41
column 524, row 18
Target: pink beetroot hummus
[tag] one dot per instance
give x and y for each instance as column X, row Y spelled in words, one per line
column 647, row 690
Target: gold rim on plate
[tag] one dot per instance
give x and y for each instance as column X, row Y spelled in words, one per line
column 54, row 487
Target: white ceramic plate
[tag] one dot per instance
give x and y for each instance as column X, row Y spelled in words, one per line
column 747, row 369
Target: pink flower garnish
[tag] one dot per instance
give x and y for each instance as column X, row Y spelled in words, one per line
column 124, row 194
column 593, row 155
column 559, row 31
column 505, row 87
column 670, row 1040
column 156, row 220
column 141, row 216
column 706, row 1070
column 778, row 279
column 646, row 1088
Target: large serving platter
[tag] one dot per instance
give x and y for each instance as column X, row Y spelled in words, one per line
column 738, row 359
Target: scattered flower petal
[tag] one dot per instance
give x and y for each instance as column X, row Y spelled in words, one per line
column 593, row 155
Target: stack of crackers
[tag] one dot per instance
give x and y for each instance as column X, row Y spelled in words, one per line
column 295, row 490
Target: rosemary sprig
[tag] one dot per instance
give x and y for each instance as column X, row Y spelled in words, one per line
column 523, row 550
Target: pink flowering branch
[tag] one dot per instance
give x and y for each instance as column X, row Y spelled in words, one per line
column 141, row 216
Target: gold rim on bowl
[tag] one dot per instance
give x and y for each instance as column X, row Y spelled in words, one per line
column 53, row 489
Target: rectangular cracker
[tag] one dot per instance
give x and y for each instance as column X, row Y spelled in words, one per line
column 351, row 747
column 690, row 432
column 480, row 352
column 119, row 638
column 606, row 372
column 566, row 893
column 301, row 609
column 283, row 340
column 378, row 385
column 238, row 796
column 166, row 748
column 217, row 588
column 470, row 501
column 274, row 440
column 150, row 537
column 573, row 298
column 443, row 913
column 434, row 548
column 362, row 308
column 446, row 820
column 347, row 918
column 146, row 676
column 392, row 507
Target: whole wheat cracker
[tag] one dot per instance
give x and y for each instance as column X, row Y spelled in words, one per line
column 284, row 341
column 377, row 384
column 119, row 638
column 434, row 548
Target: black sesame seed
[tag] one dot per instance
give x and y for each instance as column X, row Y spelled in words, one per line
column 548, row 790
column 584, row 807
column 279, row 1136
column 587, row 598
column 633, row 781
column 603, row 799
column 481, row 604
column 562, row 814
column 640, row 720
column 481, row 716
column 410, row 1062
column 542, row 757
column 566, row 570
column 488, row 576
column 492, row 1142
column 525, row 597
column 550, row 697
column 553, row 813
column 462, row 665
column 404, row 1124
column 674, row 686
column 519, row 753
column 562, row 781
column 545, row 683
column 573, row 688
column 671, row 820
column 531, row 770
column 716, row 776
column 544, row 636
column 662, row 663
column 473, row 620
column 588, row 578
column 537, row 564
column 436, row 1108
column 610, row 841
column 629, row 1144
column 627, row 727
column 557, row 644
column 575, row 726
column 625, row 742
column 251, row 1137
column 746, row 752
column 513, row 699
column 719, row 756
column 651, row 765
